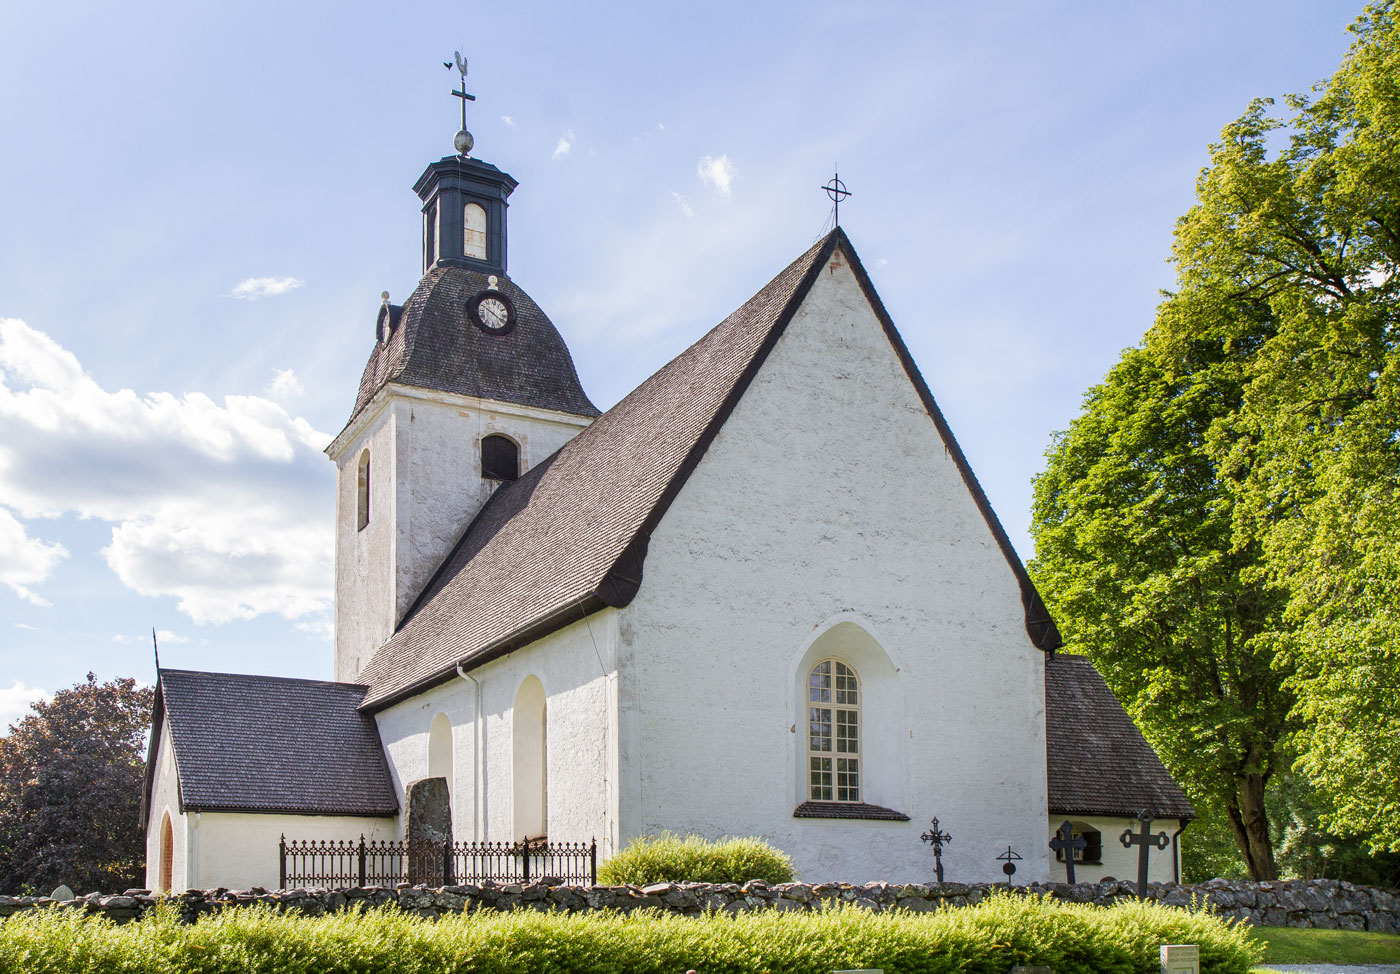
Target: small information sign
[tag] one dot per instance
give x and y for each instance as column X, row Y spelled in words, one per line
column 1181, row 959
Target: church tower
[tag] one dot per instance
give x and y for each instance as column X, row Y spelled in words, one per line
column 468, row 386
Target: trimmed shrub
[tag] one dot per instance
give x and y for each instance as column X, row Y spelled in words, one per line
column 668, row 858
column 985, row 939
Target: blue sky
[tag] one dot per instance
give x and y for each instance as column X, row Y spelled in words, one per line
column 200, row 204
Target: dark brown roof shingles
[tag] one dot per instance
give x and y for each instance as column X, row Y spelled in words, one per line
column 274, row 744
column 1098, row 761
column 434, row 346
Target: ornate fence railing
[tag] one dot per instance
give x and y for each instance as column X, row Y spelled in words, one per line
column 345, row 862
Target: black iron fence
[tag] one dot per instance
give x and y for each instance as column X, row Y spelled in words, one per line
column 345, row 862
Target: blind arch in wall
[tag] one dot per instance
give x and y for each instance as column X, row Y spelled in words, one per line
column 530, row 761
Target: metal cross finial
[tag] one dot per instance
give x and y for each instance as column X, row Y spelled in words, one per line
column 1008, row 859
column 936, row 837
column 837, row 191
column 1066, row 843
column 463, row 140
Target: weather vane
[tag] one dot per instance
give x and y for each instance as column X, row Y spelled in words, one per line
column 837, row 191
column 462, row 141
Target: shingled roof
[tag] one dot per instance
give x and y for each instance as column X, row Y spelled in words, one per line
column 1099, row 762
column 270, row 744
column 570, row 537
column 431, row 345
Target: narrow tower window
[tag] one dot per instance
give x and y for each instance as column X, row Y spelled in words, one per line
column 500, row 458
column 833, row 732
column 362, row 493
column 474, row 231
column 430, row 236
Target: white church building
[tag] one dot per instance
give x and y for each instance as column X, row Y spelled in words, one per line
column 762, row 595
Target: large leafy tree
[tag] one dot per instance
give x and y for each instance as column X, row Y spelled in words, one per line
column 1133, row 525
column 70, row 790
column 1310, row 233
column 1220, row 529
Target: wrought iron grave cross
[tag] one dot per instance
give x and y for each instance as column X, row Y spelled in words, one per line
column 1144, row 840
column 1067, row 843
column 936, row 837
column 1008, row 859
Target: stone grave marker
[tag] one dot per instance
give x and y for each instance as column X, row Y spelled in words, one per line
column 63, row 893
column 427, row 828
column 1181, row 959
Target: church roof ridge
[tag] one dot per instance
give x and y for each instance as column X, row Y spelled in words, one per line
column 570, row 537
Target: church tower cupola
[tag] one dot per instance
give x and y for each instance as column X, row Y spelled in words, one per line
column 464, row 203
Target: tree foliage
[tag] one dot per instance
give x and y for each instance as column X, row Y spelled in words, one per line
column 1224, row 513
column 70, row 790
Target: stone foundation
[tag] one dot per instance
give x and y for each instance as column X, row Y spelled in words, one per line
column 1321, row 903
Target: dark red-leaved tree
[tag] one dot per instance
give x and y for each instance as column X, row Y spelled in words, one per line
column 70, row 790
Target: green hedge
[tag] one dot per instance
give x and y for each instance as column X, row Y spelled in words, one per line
column 668, row 858
column 984, row 939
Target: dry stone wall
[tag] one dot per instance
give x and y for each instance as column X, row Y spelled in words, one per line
column 1321, row 903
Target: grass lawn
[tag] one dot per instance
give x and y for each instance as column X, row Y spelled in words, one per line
column 1287, row 945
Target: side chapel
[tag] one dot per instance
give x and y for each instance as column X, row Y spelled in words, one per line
column 763, row 594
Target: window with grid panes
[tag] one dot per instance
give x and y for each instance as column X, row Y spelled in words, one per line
column 833, row 733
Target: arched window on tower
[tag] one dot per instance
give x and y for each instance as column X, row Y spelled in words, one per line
column 474, row 231
column 500, row 457
column 362, row 493
column 833, row 733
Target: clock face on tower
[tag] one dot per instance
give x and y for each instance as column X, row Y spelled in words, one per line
column 492, row 312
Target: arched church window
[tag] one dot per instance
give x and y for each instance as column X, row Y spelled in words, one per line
column 474, row 231
column 500, row 457
column 362, row 493
column 530, row 761
column 833, row 732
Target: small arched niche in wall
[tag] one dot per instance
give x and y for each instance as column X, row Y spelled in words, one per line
column 530, row 761
column 849, row 749
column 500, row 458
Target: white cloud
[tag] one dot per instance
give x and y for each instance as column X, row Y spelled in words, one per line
column 284, row 385
column 566, row 142
column 15, row 702
column 321, row 626
column 26, row 626
column 25, row 561
column 222, row 505
column 718, row 173
column 508, row 120
column 660, row 127
column 252, row 288
column 685, row 207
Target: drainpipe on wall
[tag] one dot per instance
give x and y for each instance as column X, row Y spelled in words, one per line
column 1176, row 851
column 478, row 758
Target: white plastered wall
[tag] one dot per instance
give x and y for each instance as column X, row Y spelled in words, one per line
column 425, row 487
column 165, row 800
column 828, row 498
column 1119, row 862
column 238, row 850
column 577, row 668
